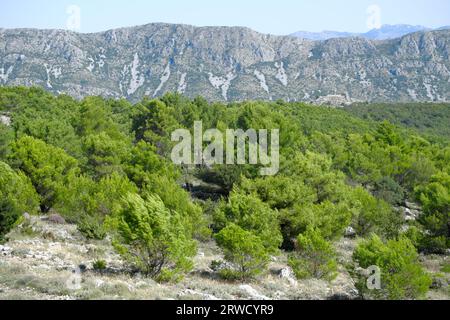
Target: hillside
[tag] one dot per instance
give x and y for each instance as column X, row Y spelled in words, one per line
column 93, row 184
column 227, row 64
column 427, row 118
column 41, row 258
column 42, row 262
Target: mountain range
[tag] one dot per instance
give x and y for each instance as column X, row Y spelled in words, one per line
column 228, row 64
column 385, row 32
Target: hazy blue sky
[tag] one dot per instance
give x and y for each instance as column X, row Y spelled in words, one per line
column 269, row 16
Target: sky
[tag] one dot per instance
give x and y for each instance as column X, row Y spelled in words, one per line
column 268, row 16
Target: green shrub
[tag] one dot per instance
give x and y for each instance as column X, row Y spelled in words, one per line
column 252, row 215
column 314, row 257
column 402, row 277
column 389, row 190
column 104, row 154
column 152, row 238
column 372, row 215
column 331, row 219
column 6, row 137
column 45, row 165
column 87, row 203
column 153, row 122
column 446, row 268
column 144, row 161
column 177, row 199
column 435, row 198
column 91, row 228
column 17, row 196
column 321, row 197
column 99, row 265
column 225, row 176
column 279, row 192
column 244, row 250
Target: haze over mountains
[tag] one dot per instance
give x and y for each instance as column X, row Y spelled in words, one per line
column 228, row 64
column 384, row 33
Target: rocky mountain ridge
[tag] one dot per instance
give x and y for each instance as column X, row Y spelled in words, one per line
column 227, row 64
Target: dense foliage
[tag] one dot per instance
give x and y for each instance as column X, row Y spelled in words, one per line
column 244, row 251
column 402, row 277
column 429, row 118
column 17, row 196
column 152, row 238
column 104, row 165
column 314, row 256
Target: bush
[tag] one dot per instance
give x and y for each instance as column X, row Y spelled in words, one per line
column 45, row 165
column 426, row 243
column 321, row 197
column 177, row 199
column 331, row 219
column 402, row 277
column 152, row 238
column 17, row 196
column 389, row 190
column 87, row 203
column 99, row 265
column 104, row 154
column 145, row 161
column 6, row 137
column 253, row 215
column 314, row 257
column 92, row 228
column 435, row 198
column 374, row 216
column 280, row 192
column 244, row 250
column 223, row 175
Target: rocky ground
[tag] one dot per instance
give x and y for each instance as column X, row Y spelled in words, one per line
column 45, row 260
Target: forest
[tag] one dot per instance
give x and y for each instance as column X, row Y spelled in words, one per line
column 105, row 166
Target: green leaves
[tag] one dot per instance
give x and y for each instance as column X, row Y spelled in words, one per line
column 248, row 231
column 152, row 238
column 45, row 165
column 402, row 277
column 6, row 137
column 244, row 250
column 371, row 215
column 435, row 197
column 314, row 257
column 83, row 157
column 253, row 215
column 89, row 203
column 104, row 154
column 154, row 123
column 17, row 196
column 331, row 219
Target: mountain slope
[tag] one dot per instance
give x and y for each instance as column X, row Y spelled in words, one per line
column 223, row 63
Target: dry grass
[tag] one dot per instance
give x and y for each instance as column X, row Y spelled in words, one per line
column 40, row 266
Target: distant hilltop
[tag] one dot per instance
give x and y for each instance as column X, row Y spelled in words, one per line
column 384, row 33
